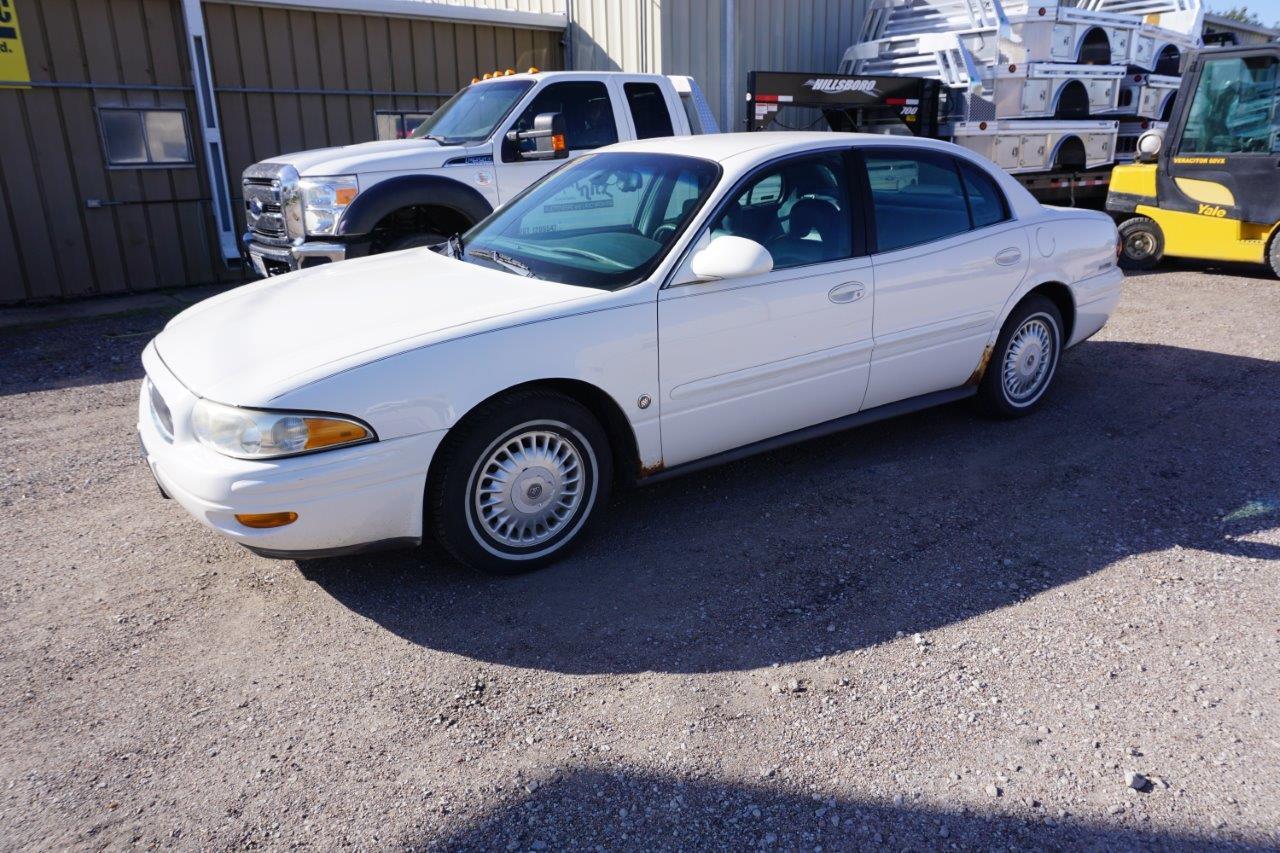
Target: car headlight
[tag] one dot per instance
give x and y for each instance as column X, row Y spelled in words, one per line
column 255, row 434
column 324, row 200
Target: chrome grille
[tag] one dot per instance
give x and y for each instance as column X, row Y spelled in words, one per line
column 262, row 210
column 272, row 209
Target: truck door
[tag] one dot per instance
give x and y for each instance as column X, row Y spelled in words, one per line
column 589, row 122
column 1224, row 160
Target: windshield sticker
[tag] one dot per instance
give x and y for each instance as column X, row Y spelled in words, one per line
column 577, row 205
column 594, row 194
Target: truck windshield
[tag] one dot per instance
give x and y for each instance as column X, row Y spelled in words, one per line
column 605, row 220
column 473, row 113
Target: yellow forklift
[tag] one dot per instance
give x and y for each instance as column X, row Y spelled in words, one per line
column 1208, row 185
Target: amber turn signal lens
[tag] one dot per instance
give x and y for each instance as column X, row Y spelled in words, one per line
column 557, row 142
column 344, row 195
column 326, row 432
column 265, row 520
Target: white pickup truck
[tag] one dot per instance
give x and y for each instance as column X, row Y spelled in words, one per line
column 483, row 146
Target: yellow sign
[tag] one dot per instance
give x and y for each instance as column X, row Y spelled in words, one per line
column 13, row 59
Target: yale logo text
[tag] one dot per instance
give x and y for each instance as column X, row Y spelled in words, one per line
column 1210, row 210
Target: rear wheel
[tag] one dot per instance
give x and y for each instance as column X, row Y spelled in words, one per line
column 1141, row 243
column 1024, row 361
column 1273, row 254
column 518, row 481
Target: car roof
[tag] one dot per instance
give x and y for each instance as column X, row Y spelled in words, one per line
column 766, row 144
column 741, row 152
column 746, row 149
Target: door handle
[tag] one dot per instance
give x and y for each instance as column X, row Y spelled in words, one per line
column 1009, row 257
column 849, row 292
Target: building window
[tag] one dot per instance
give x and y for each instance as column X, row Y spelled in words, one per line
column 397, row 124
column 138, row 138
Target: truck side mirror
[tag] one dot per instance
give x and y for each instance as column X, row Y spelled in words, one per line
column 547, row 135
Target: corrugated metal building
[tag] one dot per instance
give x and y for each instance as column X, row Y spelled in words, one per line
column 125, row 128
column 690, row 37
column 1237, row 32
column 122, row 146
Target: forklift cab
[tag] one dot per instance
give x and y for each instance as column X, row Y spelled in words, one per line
column 1212, row 189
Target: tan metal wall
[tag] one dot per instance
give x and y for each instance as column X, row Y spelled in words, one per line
column 288, row 80
column 688, row 37
column 154, row 229
column 285, row 80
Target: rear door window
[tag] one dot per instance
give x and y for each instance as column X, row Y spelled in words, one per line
column 649, row 110
column 917, row 197
column 986, row 201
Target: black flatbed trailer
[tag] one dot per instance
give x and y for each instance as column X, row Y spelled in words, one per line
column 896, row 105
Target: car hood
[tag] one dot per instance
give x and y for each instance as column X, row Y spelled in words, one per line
column 389, row 155
column 251, row 344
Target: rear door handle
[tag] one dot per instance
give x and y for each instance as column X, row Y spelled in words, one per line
column 1009, row 257
column 849, row 292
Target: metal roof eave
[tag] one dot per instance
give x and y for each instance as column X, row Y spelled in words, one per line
column 450, row 12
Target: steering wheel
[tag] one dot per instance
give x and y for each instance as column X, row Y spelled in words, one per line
column 661, row 234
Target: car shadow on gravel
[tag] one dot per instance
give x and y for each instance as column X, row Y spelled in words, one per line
column 584, row 808
column 891, row 529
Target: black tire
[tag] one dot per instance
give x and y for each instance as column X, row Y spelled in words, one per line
column 460, row 475
column 1141, row 243
column 1273, row 254
column 415, row 241
column 1038, row 316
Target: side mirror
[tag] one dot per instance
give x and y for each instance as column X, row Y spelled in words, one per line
column 1149, row 145
column 547, row 135
column 731, row 257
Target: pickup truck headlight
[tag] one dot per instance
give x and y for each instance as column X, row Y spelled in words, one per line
column 256, row 434
column 324, row 200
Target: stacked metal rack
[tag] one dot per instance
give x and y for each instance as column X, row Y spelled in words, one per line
column 1037, row 86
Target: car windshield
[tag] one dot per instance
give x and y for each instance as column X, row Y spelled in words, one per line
column 605, row 220
column 472, row 114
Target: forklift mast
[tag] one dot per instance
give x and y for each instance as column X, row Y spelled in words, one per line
column 848, row 102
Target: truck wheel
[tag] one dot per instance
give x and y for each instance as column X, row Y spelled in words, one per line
column 1141, row 243
column 1023, row 363
column 415, row 241
column 518, row 480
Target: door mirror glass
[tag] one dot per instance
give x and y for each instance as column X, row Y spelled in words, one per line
column 544, row 141
column 731, row 257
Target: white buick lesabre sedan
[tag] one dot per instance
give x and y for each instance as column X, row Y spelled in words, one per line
column 645, row 310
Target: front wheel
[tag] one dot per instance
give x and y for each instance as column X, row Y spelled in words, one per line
column 518, row 481
column 1141, row 243
column 1024, row 360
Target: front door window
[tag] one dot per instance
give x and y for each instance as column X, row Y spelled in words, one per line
column 1233, row 110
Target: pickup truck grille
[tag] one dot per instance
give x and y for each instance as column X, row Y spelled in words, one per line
column 270, row 191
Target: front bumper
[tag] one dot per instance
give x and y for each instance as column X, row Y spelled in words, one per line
column 268, row 259
column 370, row 495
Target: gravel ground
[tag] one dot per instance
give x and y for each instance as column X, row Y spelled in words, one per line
column 934, row 632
